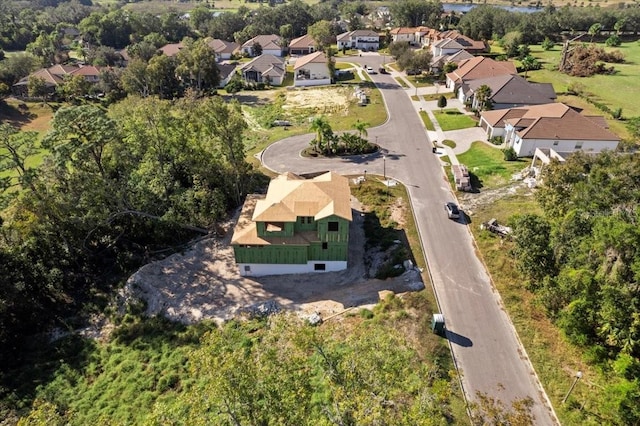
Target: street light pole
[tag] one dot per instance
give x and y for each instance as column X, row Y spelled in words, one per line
column 573, row 385
column 384, row 168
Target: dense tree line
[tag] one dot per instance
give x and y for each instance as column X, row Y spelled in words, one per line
column 488, row 22
column 118, row 188
column 582, row 260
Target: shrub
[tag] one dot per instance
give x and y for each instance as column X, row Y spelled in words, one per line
column 366, row 314
column 510, row 154
column 496, row 140
column 547, row 44
column 613, row 41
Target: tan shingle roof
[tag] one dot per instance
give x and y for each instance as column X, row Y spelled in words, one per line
column 267, row 42
column 223, row 46
column 315, row 57
column 302, row 42
column 290, row 196
column 171, row 49
column 481, row 67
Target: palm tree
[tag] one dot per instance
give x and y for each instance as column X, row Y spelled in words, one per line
column 594, row 30
column 483, row 98
column 320, row 125
column 361, row 127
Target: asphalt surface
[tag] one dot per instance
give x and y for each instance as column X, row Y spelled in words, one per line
column 486, row 349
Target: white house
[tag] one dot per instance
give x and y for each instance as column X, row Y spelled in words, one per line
column 359, row 39
column 311, row 70
column 271, row 44
column 550, row 126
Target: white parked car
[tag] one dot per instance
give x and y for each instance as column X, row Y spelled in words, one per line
column 370, row 70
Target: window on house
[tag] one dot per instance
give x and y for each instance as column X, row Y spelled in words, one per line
column 275, row 226
column 578, row 145
column 247, row 268
column 325, row 246
column 333, row 227
column 319, row 267
column 555, row 143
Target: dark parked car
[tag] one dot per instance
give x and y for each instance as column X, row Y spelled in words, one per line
column 382, row 70
column 413, row 72
column 452, row 210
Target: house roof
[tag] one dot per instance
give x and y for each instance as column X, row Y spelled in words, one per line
column 513, row 89
column 551, row 121
column 290, row 196
column 466, row 42
column 448, row 43
column 267, row 42
column 357, row 33
column 481, row 67
column 302, row 42
column 265, row 64
column 226, row 70
column 459, row 56
column 402, row 30
column 315, row 58
column 54, row 75
column 171, row 49
column 223, row 46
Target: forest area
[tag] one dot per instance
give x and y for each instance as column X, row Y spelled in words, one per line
column 156, row 162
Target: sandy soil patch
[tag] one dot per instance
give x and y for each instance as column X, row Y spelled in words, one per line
column 204, row 283
column 336, row 98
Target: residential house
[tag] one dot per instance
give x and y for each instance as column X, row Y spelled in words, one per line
column 478, row 67
column 223, row 49
column 299, row 226
column 550, row 126
column 311, row 70
column 265, row 68
column 271, row 44
column 415, row 36
column 54, row 76
column 302, row 45
column 507, row 91
column 438, row 62
column 359, row 39
column 227, row 71
column 171, row 49
column 475, row 47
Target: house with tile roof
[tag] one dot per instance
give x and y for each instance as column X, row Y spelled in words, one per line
column 311, row 70
column 271, row 44
column 507, row 91
column 223, row 49
column 478, row 67
column 299, row 226
column 359, row 39
column 227, row 71
column 55, row 75
column 264, row 69
column 303, row 45
column 553, row 126
column 401, row 34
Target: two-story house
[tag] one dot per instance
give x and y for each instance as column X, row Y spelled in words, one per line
column 299, row 226
column 359, row 39
column 311, row 70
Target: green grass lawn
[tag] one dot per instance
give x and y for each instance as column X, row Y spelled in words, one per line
column 620, row 90
column 427, row 121
column 488, row 167
column 452, row 119
column 420, row 80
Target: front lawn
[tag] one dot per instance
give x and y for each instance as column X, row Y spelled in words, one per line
column 487, row 166
column 452, row 119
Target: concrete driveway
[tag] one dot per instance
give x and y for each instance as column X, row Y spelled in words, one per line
column 484, row 343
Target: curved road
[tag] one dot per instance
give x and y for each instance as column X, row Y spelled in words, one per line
column 485, row 345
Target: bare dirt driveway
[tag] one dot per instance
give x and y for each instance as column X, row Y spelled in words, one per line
column 204, row 283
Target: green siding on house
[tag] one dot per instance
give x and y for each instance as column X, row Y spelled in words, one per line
column 341, row 235
column 279, row 254
column 288, row 229
column 305, row 223
column 334, row 251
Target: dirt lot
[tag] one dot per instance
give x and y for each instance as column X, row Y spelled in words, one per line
column 203, row 283
column 321, row 99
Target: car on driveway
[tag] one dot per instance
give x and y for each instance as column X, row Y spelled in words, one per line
column 453, row 212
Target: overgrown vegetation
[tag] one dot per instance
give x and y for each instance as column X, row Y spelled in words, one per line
column 579, row 258
column 487, row 166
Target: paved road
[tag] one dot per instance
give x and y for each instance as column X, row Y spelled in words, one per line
column 483, row 340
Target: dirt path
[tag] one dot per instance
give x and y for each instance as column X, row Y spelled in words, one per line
column 203, row 283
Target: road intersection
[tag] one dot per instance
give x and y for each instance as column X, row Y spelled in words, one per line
column 488, row 354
